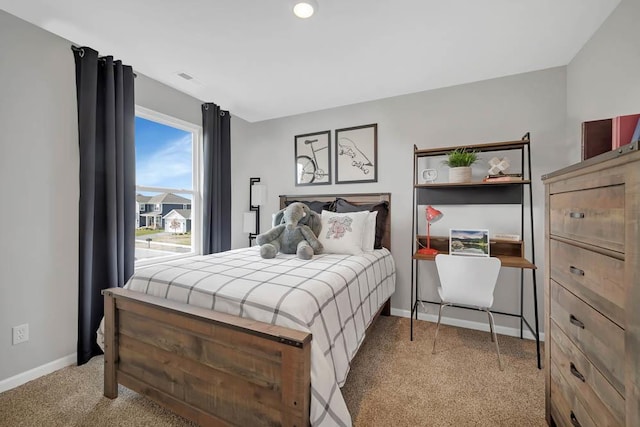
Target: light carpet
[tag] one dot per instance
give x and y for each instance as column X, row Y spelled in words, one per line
column 393, row 382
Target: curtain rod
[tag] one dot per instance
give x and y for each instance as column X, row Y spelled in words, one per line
column 100, row 58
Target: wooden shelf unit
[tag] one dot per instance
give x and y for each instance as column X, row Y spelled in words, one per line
column 491, row 146
column 511, row 253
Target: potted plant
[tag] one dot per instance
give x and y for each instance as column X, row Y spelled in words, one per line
column 459, row 162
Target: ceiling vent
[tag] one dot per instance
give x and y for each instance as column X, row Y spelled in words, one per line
column 185, row 76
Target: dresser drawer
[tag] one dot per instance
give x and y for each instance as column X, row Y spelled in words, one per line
column 587, row 385
column 594, row 216
column 601, row 340
column 565, row 410
column 595, row 278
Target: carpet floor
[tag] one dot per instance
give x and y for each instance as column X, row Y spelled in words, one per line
column 393, row 382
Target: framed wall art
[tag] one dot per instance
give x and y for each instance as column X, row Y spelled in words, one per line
column 469, row 242
column 357, row 154
column 313, row 158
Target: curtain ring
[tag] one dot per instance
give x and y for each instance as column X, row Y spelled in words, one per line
column 206, row 106
column 81, row 54
column 222, row 113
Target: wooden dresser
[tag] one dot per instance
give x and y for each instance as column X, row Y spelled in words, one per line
column 592, row 292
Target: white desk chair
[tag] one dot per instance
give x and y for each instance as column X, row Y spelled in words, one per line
column 468, row 281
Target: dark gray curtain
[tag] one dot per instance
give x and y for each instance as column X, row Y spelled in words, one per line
column 216, row 228
column 106, row 120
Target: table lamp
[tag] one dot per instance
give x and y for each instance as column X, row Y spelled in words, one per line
column 433, row 215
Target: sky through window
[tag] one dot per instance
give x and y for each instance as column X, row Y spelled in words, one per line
column 163, row 155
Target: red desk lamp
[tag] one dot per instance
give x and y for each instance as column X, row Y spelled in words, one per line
column 433, row 215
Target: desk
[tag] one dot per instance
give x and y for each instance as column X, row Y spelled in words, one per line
column 510, row 254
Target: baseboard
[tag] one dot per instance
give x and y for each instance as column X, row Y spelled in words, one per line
column 37, row 372
column 479, row 326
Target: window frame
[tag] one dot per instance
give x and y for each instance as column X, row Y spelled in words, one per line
column 196, row 177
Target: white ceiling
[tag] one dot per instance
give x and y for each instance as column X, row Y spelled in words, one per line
column 254, row 58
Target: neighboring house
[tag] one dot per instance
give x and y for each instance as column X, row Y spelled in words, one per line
column 178, row 221
column 150, row 210
column 141, row 208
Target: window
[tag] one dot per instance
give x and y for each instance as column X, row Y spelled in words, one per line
column 167, row 171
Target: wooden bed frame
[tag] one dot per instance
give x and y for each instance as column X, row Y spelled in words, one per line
column 212, row 368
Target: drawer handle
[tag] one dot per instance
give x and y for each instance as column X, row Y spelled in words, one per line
column 574, row 320
column 576, row 271
column 576, row 373
column 574, row 420
column 576, row 215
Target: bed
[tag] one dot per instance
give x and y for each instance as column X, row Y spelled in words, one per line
column 244, row 363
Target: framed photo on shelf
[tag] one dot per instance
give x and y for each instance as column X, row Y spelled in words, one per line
column 473, row 242
column 357, row 154
column 313, row 158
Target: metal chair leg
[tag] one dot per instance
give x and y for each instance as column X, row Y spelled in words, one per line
column 437, row 328
column 495, row 338
column 491, row 333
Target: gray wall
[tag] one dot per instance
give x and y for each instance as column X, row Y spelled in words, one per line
column 39, row 161
column 39, row 189
column 603, row 79
column 495, row 110
column 39, row 181
column 158, row 97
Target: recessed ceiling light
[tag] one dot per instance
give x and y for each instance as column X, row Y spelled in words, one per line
column 304, row 9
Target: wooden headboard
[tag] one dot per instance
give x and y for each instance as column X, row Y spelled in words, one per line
column 355, row 199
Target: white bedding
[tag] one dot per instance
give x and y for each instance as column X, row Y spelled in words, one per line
column 332, row 296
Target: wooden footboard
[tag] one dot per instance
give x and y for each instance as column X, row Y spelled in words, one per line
column 209, row 367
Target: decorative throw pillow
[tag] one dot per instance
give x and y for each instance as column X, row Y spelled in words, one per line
column 381, row 207
column 315, row 205
column 369, row 235
column 342, row 233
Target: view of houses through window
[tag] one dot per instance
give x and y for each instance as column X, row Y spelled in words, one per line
column 166, row 192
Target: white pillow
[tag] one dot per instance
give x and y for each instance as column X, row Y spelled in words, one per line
column 369, row 236
column 342, row 232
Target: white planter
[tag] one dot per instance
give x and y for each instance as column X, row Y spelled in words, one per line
column 460, row 174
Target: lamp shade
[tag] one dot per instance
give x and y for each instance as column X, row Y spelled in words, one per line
column 433, row 214
column 249, row 222
column 258, row 195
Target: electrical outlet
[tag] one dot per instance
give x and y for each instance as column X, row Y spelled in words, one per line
column 20, row 333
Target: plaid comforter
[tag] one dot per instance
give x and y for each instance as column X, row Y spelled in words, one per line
column 332, row 296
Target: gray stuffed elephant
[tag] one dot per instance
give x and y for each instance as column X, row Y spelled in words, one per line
column 296, row 233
